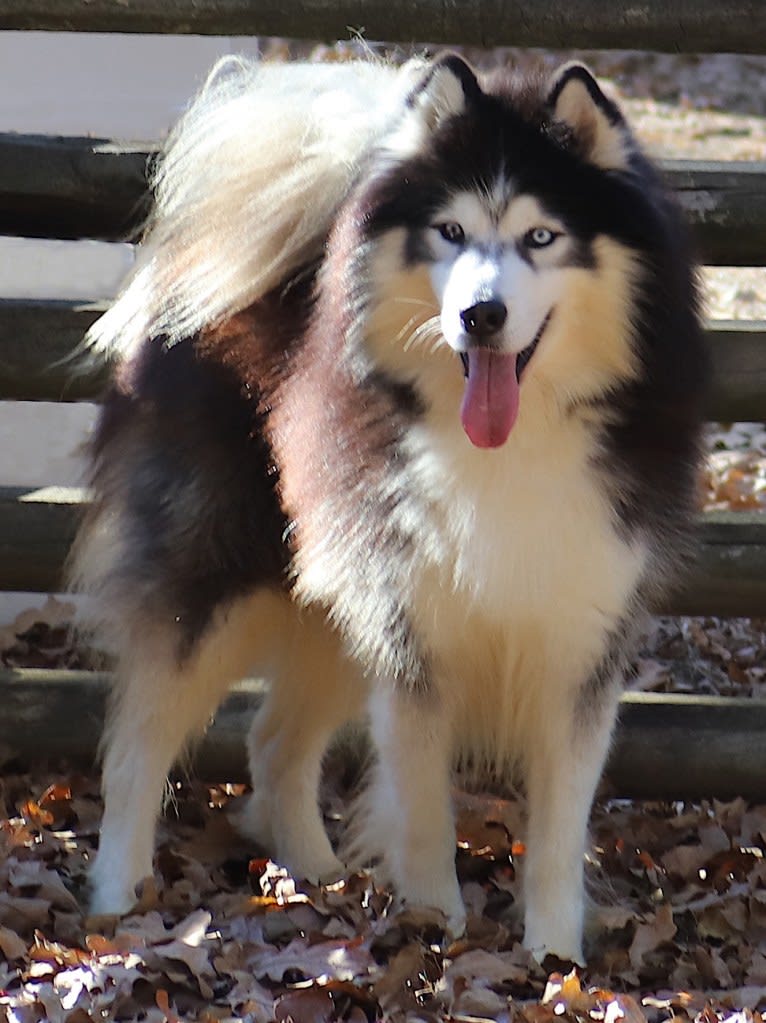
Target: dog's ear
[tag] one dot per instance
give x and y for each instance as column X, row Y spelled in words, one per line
column 591, row 122
column 445, row 90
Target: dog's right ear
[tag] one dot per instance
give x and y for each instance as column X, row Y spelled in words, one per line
column 445, row 89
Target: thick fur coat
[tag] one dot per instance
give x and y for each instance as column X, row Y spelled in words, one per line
column 406, row 415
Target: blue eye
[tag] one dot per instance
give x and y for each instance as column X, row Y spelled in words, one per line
column 539, row 237
column 451, row 232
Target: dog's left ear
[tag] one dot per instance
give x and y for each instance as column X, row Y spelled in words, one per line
column 593, row 122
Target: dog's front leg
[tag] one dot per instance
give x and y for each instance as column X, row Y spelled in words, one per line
column 411, row 805
column 563, row 766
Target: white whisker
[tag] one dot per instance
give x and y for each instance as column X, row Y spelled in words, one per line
column 414, row 301
column 427, row 330
column 405, row 329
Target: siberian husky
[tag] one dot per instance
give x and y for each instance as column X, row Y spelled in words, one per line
column 406, row 414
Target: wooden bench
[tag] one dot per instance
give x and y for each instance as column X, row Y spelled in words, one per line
column 71, row 188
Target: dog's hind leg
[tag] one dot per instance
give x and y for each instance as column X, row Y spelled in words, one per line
column 161, row 700
column 317, row 691
column 563, row 766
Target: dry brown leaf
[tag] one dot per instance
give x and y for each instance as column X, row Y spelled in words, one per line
column 650, row 935
column 11, row 944
column 163, row 1003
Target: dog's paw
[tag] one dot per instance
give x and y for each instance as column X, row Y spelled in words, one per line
column 446, row 898
column 564, row 951
column 323, row 869
column 108, row 897
column 251, row 818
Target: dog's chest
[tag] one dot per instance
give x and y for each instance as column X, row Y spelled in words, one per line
column 522, row 533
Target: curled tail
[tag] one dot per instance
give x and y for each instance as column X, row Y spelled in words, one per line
column 246, row 189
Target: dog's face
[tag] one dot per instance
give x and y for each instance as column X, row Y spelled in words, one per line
column 493, row 233
column 498, row 267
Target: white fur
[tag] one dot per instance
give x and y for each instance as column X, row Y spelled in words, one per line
column 247, row 188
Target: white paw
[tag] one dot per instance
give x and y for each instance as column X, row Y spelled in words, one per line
column 110, row 896
column 446, row 898
column 319, row 868
column 456, row 923
column 252, row 819
column 563, row 947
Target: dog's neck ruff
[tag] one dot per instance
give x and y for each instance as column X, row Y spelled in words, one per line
column 492, row 392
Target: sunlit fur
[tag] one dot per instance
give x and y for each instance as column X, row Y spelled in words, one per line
column 226, row 226
column 282, row 482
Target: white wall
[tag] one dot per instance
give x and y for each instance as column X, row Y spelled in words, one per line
column 127, row 87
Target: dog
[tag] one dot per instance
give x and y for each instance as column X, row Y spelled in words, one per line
column 405, row 414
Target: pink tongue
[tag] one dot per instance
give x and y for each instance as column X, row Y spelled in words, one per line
column 491, row 399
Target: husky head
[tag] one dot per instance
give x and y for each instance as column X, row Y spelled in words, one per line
column 506, row 225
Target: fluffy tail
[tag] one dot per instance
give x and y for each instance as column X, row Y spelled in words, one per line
column 248, row 186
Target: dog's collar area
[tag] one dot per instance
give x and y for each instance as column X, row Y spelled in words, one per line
column 524, row 355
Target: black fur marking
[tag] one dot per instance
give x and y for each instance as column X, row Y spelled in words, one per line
column 581, row 255
column 197, row 484
column 610, row 672
column 524, row 356
column 651, row 443
column 524, row 253
column 417, row 249
column 402, row 393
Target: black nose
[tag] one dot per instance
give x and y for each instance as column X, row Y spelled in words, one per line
column 484, row 318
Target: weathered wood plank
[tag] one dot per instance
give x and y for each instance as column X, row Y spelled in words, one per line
column 72, row 187
column 680, row 747
column 39, row 344
column 726, row 205
column 37, row 527
column 40, row 351
column 729, row 575
column 666, row 747
column 683, row 26
column 738, row 356
column 96, row 188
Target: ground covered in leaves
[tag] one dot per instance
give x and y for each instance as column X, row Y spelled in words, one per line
column 678, row 923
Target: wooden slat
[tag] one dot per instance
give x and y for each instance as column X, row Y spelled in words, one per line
column 39, row 343
column 729, row 577
column 96, row 188
column 72, row 187
column 738, row 356
column 37, row 527
column 682, row 26
column 726, row 204
column 41, row 357
column 666, row 746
